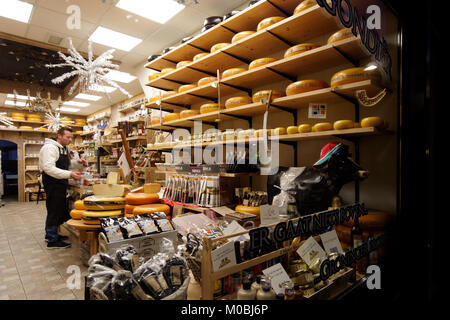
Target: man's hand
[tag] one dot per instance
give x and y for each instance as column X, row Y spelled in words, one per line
column 83, row 161
column 76, row 175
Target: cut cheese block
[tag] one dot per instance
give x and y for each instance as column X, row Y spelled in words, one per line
column 112, row 178
column 168, row 94
column 206, row 80
column 304, row 5
column 258, row 96
column 354, row 75
column 376, row 122
column 241, row 35
column 92, row 217
column 186, row 87
column 97, row 203
column 219, row 46
column 79, row 205
column 260, row 62
column 150, row 208
column 153, row 76
column 152, row 188
column 171, row 116
column 129, row 208
column 268, row 22
column 322, row 126
column 237, row 102
column 25, row 128
column 279, row 131
column 112, row 190
column 209, row 107
column 260, row 132
column 305, row 86
column 247, row 209
column 17, row 115
column 292, row 130
column 166, row 71
column 183, row 63
column 141, row 198
column 200, row 55
column 188, row 113
column 76, row 214
column 300, row 48
column 232, row 72
column 343, row 124
column 340, row 35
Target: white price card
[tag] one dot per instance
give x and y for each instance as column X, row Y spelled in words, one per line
column 123, row 164
column 223, row 257
column 278, row 277
column 269, row 214
column 317, row 111
column 223, row 211
column 310, row 250
column 331, row 242
column 233, row 228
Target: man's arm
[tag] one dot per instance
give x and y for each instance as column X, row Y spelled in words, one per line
column 47, row 162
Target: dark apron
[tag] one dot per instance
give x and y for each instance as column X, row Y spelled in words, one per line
column 56, row 193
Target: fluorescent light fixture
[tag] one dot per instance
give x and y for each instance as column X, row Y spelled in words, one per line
column 18, row 103
column 159, row 11
column 76, row 104
column 95, row 87
column 11, row 96
column 120, row 76
column 68, row 109
column 114, row 39
column 84, row 96
column 16, row 10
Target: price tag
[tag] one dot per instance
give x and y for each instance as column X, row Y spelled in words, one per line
column 331, row 242
column 311, row 250
column 278, row 277
column 223, row 257
column 269, row 214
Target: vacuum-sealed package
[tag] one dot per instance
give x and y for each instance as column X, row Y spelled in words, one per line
column 125, row 287
column 174, row 272
column 130, row 227
column 152, row 280
column 147, row 224
column 111, row 229
column 162, row 222
column 104, row 260
column 128, row 258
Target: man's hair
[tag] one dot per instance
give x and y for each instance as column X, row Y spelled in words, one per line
column 62, row 129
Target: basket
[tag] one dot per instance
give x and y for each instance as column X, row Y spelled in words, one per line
column 181, row 293
column 192, row 258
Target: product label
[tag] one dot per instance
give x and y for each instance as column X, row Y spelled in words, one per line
column 311, row 250
column 223, row 257
column 269, row 214
column 317, row 111
column 331, row 242
column 278, row 278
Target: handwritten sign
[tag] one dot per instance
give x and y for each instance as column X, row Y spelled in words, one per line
column 331, row 242
column 269, row 215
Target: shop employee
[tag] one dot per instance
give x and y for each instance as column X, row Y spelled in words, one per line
column 54, row 162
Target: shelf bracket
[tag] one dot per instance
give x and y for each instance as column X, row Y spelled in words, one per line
column 290, row 44
column 293, row 79
column 231, row 30
column 236, row 57
column 177, row 82
column 277, row 7
column 203, row 97
column 202, row 71
column 248, row 91
column 354, row 62
column 354, row 101
column 194, row 46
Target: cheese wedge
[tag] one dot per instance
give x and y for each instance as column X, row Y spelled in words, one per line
column 152, row 188
column 113, row 190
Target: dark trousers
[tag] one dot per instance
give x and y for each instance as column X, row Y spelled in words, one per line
column 57, row 209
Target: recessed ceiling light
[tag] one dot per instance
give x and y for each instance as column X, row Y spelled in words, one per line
column 69, row 109
column 18, row 103
column 114, row 39
column 16, row 10
column 95, row 87
column 159, row 11
column 85, row 96
column 76, row 104
column 11, row 96
column 120, row 76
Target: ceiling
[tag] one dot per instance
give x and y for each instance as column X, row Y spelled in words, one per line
column 49, row 19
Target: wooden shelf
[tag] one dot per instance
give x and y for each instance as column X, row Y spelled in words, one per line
column 129, row 139
column 221, row 174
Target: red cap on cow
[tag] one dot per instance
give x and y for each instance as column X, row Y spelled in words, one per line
column 327, row 148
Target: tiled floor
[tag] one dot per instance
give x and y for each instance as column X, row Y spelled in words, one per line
column 28, row 271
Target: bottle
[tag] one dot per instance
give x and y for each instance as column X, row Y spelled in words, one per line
column 266, row 292
column 289, row 292
column 292, row 208
column 256, row 285
column 246, row 292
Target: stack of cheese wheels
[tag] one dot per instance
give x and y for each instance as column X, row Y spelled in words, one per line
column 322, row 126
column 247, row 209
column 376, row 122
column 166, row 71
column 268, row 22
column 258, row 96
column 18, row 116
column 279, row 131
column 305, row 86
column 206, row 80
column 186, row 87
column 101, row 207
column 343, row 124
column 25, row 128
column 304, row 128
column 300, row 48
column 237, row 101
column 78, row 210
column 340, row 35
column 241, row 35
column 154, row 76
column 171, row 116
column 139, row 203
column 200, row 55
column 34, row 118
column 232, row 72
column 150, row 208
column 168, row 94
column 183, row 63
column 304, row 5
column 354, row 75
column 219, row 46
column 80, row 122
column 188, row 113
column 292, row 130
column 260, row 62
column 209, row 107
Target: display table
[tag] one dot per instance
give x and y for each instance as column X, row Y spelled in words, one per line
column 87, row 232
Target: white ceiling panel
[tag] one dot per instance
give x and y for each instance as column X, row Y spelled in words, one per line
column 132, row 59
column 42, row 34
column 13, row 27
column 218, row 7
column 98, row 49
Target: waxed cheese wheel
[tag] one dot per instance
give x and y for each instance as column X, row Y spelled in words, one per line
column 76, row 214
column 237, row 102
column 376, row 122
column 150, row 208
column 171, row 116
column 305, row 86
column 141, row 198
column 354, row 75
column 219, row 46
column 292, row 130
column 17, row 115
column 343, row 124
column 129, row 208
column 322, row 126
column 98, row 203
column 168, row 94
column 340, row 35
column 79, row 204
column 33, row 118
column 18, row 118
column 199, row 56
column 45, row 129
column 241, row 35
column 188, row 113
column 167, row 70
column 25, row 128
column 156, row 120
column 206, row 80
column 153, row 76
column 260, row 132
column 260, row 62
column 247, row 209
column 209, row 107
column 268, row 22
column 186, row 87
column 92, row 217
column 258, row 96
column 304, row 128
column 279, row 131
column 232, row 72
column 304, row 5
column 300, row 48
column 183, row 63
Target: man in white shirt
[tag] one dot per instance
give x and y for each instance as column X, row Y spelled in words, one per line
column 54, row 162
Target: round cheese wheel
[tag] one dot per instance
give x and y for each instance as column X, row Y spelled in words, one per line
column 79, row 204
column 76, row 214
column 304, row 128
column 129, row 215
column 34, row 118
column 150, row 208
column 167, row 70
column 188, row 113
column 17, row 115
column 340, row 35
column 168, row 94
column 153, row 76
column 199, row 56
column 186, row 87
column 258, row 96
column 343, row 124
column 171, row 116
column 206, row 80
column 260, row 132
column 25, row 128
column 66, row 119
column 99, row 203
column 183, row 63
column 45, row 129
column 78, row 131
column 305, row 86
column 279, row 131
column 322, row 126
column 300, row 48
column 237, row 102
column 304, row 5
column 232, row 71
column 376, row 122
column 268, row 22
column 247, row 209
column 92, row 217
column 354, row 75
column 80, row 121
column 18, row 118
column 156, row 120
column 260, row 62
column 209, row 107
column 219, row 46
column 292, row 130
column 154, row 99
column 241, row 35
column 141, row 198
column 129, row 209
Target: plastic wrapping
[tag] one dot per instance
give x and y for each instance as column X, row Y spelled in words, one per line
column 147, row 224
column 128, row 258
column 129, row 227
column 111, row 229
column 287, row 188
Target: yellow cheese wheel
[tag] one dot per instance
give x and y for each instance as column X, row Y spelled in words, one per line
column 206, row 80
column 153, row 76
column 45, row 129
column 168, row 94
column 354, row 75
column 141, row 198
column 322, row 126
column 376, row 122
column 305, row 86
column 154, row 99
column 183, row 63
column 99, row 203
column 237, row 102
column 343, row 124
column 304, row 128
column 78, row 131
column 156, row 120
column 129, row 209
column 219, row 46
column 25, row 128
column 304, row 5
column 76, row 214
column 17, row 115
column 171, row 116
column 279, row 131
column 80, row 121
column 300, row 48
column 92, row 217
column 247, row 209
column 340, row 35
column 150, row 208
column 188, row 113
column 265, row 94
column 232, row 72
column 260, row 62
column 34, row 118
column 209, row 107
column 186, row 87
column 292, row 130
column 268, row 22
column 129, row 215
column 167, row 70
column 200, row 55
column 18, row 118
column 241, row 35
column 260, row 132
column 79, row 204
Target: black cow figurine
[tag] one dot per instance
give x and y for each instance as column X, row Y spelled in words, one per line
column 316, row 186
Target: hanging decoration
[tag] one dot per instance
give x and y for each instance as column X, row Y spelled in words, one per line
column 37, row 104
column 367, row 101
column 55, row 121
column 6, row 120
column 91, row 73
